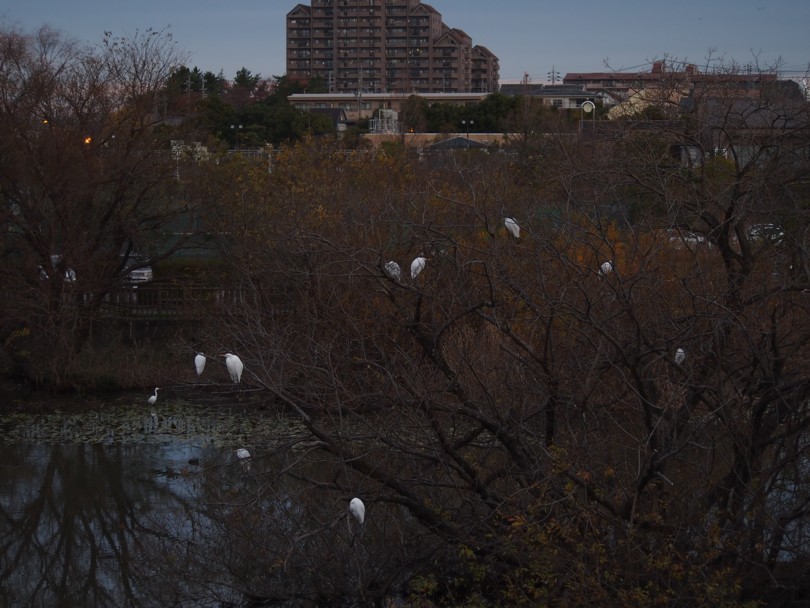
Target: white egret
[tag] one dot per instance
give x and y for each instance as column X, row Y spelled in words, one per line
column 680, row 356
column 418, row 265
column 606, row 268
column 357, row 509
column 235, row 367
column 244, row 458
column 512, row 227
column 393, row 271
column 153, row 398
column 199, row 363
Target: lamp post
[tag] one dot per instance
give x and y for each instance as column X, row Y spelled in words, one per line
column 237, row 129
column 467, row 124
column 588, row 107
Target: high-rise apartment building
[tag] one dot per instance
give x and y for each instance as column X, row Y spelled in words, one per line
column 385, row 46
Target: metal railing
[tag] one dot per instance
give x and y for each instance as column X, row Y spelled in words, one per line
column 173, row 302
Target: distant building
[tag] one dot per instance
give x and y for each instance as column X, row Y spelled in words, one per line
column 376, row 46
column 564, row 97
column 619, row 87
column 361, row 106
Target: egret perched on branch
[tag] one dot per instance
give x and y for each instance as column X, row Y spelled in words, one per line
column 418, row 265
column 606, row 268
column 153, row 398
column 357, row 509
column 199, row 363
column 235, row 367
column 393, row 271
column 244, row 458
column 680, row 356
column 512, row 227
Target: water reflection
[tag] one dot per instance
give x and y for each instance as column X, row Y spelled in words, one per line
column 75, row 517
column 157, row 510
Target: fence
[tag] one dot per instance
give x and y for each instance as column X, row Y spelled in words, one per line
column 172, row 302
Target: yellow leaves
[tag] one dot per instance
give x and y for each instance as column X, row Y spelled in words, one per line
column 517, row 521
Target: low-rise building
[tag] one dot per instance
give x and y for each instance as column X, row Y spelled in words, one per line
column 362, row 106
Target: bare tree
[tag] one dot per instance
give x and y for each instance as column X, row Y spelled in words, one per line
column 89, row 190
column 555, row 431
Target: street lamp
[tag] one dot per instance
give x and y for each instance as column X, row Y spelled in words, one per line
column 467, row 124
column 588, row 107
column 237, row 132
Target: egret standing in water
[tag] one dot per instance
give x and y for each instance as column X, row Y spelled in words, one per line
column 235, row 367
column 199, row 363
column 418, row 265
column 153, row 398
column 512, row 227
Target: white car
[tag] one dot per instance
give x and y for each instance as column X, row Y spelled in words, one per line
column 138, row 275
column 70, row 274
column 766, row 233
column 680, row 238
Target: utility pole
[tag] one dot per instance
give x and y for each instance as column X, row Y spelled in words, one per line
column 553, row 75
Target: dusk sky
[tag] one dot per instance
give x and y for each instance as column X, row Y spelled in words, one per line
column 529, row 36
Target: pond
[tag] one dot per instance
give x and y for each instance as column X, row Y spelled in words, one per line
column 126, row 504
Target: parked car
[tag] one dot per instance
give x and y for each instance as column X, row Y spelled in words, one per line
column 772, row 234
column 685, row 238
column 142, row 274
column 70, row 274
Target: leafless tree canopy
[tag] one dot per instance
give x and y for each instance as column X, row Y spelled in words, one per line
column 550, row 430
column 86, row 184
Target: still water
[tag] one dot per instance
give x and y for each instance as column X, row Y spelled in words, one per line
column 129, row 505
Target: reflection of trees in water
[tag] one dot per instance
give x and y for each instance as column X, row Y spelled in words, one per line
column 73, row 523
column 281, row 533
column 118, row 525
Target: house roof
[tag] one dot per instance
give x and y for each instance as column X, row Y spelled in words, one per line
column 456, row 143
column 336, row 115
column 300, row 8
column 540, row 90
column 483, row 50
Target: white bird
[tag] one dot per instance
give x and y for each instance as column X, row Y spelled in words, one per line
column 680, row 356
column 512, row 227
column 199, row 363
column 153, row 398
column 606, row 268
column 393, row 271
column 357, row 509
column 244, row 458
column 235, row 367
column 417, row 266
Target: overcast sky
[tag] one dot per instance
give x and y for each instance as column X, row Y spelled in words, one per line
column 530, row 37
